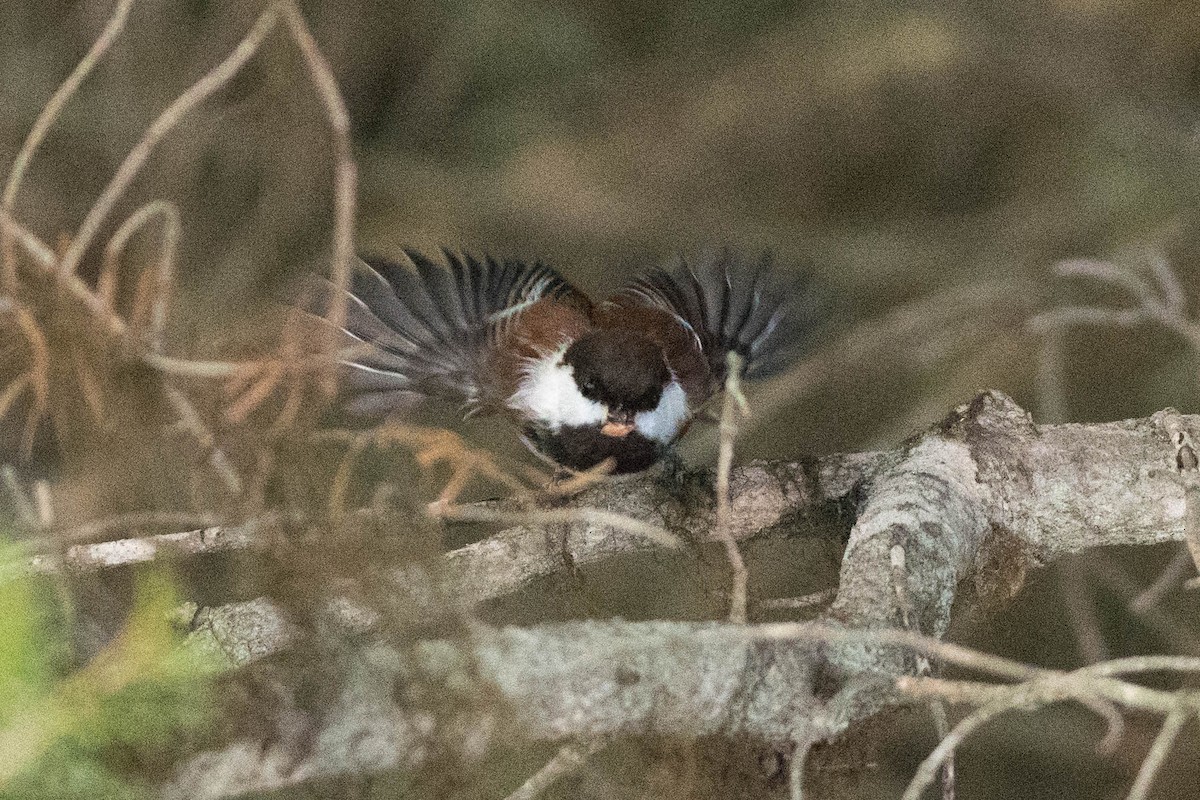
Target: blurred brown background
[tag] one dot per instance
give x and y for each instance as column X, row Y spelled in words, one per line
column 929, row 161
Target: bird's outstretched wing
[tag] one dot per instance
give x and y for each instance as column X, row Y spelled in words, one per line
column 733, row 304
column 429, row 326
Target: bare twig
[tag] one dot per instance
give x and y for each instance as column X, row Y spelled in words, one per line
column 1051, row 393
column 971, row 314
column 1158, row 754
column 200, row 91
column 1081, row 612
column 345, row 175
column 44, row 502
column 430, row 446
column 1107, row 272
column 12, row 392
column 133, row 520
column 242, row 370
column 37, row 374
column 1179, row 634
column 187, row 368
column 823, row 597
column 796, row 769
column 1052, row 688
column 1087, row 685
column 22, row 503
column 941, row 726
column 734, row 403
column 1164, row 302
column 189, row 418
column 1167, row 580
column 596, row 516
column 918, row 643
column 47, row 262
column 1082, row 315
column 41, row 126
column 164, row 279
column 567, row 760
column 142, row 550
column 1173, row 296
column 1132, row 665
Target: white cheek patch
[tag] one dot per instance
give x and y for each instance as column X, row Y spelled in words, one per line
column 663, row 423
column 549, row 395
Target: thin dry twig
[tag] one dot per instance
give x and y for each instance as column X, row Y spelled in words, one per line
column 568, row 759
column 1163, row 301
column 960, row 318
column 141, row 550
column 22, row 502
column 1081, row 611
column 153, row 289
column 733, row 404
column 431, row 446
column 892, row 637
column 1167, row 580
column 1089, row 685
column 1142, row 664
column 1051, row 392
column 594, row 516
column 578, row 480
column 189, row 420
column 821, row 598
column 796, row 769
column 1177, row 632
column 241, row 373
column 44, row 502
column 157, row 296
column 167, row 121
column 1158, row 754
column 133, row 520
column 1023, row 697
column 941, row 727
column 45, row 259
column 270, row 374
column 1173, row 295
column 345, row 176
column 12, row 392
column 41, row 126
column 36, row 378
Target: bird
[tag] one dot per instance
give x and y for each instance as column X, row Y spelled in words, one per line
column 611, row 384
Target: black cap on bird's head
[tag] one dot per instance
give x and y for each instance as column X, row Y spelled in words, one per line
column 621, row 369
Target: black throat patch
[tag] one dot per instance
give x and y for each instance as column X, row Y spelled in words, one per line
column 583, row 447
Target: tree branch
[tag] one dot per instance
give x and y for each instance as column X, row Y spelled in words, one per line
column 976, row 502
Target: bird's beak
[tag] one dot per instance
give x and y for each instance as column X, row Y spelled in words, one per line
column 618, row 423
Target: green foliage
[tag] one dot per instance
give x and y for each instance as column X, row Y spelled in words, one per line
column 23, row 661
column 96, row 731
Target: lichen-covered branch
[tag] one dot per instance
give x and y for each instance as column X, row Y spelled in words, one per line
column 975, row 502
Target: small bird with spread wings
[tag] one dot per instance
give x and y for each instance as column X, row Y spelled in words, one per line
column 585, row 382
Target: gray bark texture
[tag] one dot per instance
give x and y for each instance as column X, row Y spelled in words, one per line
column 945, row 526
